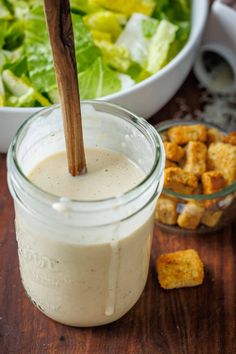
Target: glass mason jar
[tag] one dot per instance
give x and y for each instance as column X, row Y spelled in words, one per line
column 85, row 263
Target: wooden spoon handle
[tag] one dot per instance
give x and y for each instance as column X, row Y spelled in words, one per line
column 62, row 42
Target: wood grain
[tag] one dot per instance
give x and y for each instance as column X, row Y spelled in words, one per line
column 200, row 320
column 62, row 43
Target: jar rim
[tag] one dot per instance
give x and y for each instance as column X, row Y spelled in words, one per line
column 139, row 123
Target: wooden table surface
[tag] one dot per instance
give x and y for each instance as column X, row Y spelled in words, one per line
column 199, row 320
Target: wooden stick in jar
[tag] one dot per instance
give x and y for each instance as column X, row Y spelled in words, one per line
column 60, row 30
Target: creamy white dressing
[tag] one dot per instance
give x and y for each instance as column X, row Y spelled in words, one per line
column 109, row 174
column 94, row 283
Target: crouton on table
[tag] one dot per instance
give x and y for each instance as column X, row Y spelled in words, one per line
column 180, row 269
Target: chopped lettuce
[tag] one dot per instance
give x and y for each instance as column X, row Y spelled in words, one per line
column 14, row 36
column 21, row 92
column 117, row 57
column 40, row 63
column 117, row 44
column 98, row 80
column 136, row 37
column 2, row 61
column 127, row 7
column 160, row 44
column 173, row 10
column 38, row 51
column 5, row 13
column 149, row 27
column 2, row 32
column 86, row 51
column 84, row 6
column 105, row 21
column 101, row 36
column 180, row 40
column 18, row 67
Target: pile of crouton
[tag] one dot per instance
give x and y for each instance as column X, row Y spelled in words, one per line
column 199, row 160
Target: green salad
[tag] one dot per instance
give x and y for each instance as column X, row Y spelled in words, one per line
column 117, row 43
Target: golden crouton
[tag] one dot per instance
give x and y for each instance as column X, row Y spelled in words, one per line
column 182, row 134
column 196, row 155
column 214, row 135
column 180, row 269
column 173, row 151
column 222, row 158
column 230, row 138
column 211, row 218
column 180, row 181
column 212, row 181
column 166, row 210
column 170, row 164
column 191, row 216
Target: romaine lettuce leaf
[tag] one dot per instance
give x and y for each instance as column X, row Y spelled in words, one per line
column 149, row 27
column 2, row 60
column 40, row 65
column 116, row 57
column 22, row 7
column 160, row 44
column 5, row 13
column 127, row 7
column 14, row 36
column 11, row 57
column 172, row 10
column 18, row 67
column 136, row 37
column 26, row 100
column 160, row 5
column 21, row 92
column 3, row 29
column 98, row 81
column 101, row 36
column 9, row 6
column 105, row 21
column 38, row 50
column 180, row 40
column 86, row 51
column 84, row 6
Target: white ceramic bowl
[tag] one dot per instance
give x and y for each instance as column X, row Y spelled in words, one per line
column 145, row 98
